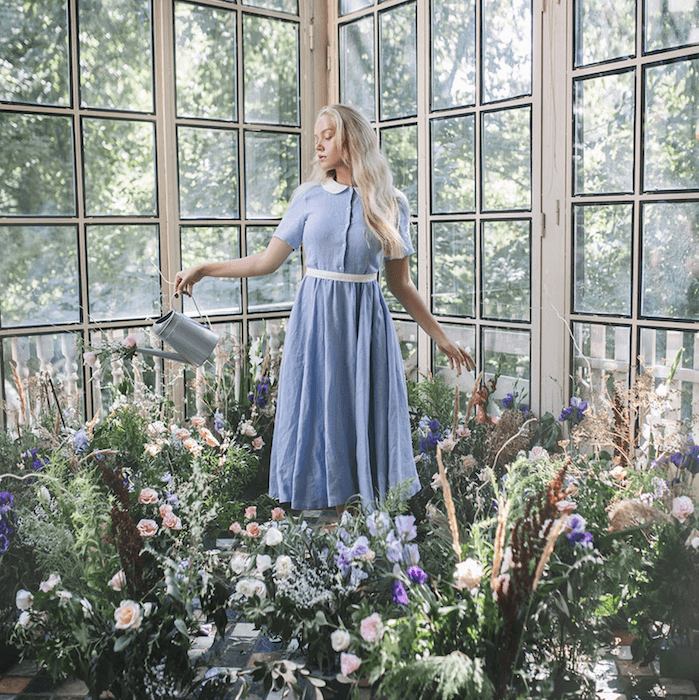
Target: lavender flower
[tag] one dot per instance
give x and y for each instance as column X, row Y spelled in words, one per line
column 574, row 413
column 81, row 441
column 405, row 526
column 416, row 574
column 400, row 595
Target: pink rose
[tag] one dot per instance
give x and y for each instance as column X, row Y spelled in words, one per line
column 182, row 433
column 148, row 496
column 164, row 509
column 128, row 615
column 118, row 581
column 371, row 628
column 349, row 663
column 90, row 359
column 198, row 422
column 252, row 530
column 278, row 513
column 147, row 528
column 251, row 512
column 566, row 507
column 682, row 507
column 129, row 341
column 235, row 528
column 172, row 522
column 258, row 443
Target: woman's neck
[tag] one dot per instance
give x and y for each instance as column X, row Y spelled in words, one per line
column 343, row 175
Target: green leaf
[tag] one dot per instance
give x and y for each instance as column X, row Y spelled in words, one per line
column 121, row 643
column 179, row 623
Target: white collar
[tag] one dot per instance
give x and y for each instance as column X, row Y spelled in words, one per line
column 333, row 186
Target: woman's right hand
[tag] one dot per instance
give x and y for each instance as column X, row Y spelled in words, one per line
column 186, row 279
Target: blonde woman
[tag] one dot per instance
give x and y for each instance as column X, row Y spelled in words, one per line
column 342, row 427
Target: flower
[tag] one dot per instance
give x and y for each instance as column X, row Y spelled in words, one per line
column 251, row 512
column 468, row 574
column 192, row 446
column 239, row 563
column 247, row 428
column 208, row 437
column 258, row 443
column 249, row 587
column 576, row 525
column 148, row 496
column 283, row 567
column 152, row 448
column 273, row 537
column 372, row 628
column 235, row 528
column 164, row 509
column 252, row 530
column 128, row 615
column 416, row 574
column 400, row 595
column 340, row 640
column 24, row 619
column 565, row 506
column 682, row 507
column 405, row 526
column 129, row 341
column 278, row 513
column 81, row 441
column 537, row 453
column 198, row 421
column 349, row 663
column 575, row 412
column 692, row 540
column 181, row 433
column 90, row 359
column 4, row 543
column 263, row 562
column 378, row 522
column 50, row 583
column 118, row 581
column 24, row 599
column 171, row 521
column 146, row 527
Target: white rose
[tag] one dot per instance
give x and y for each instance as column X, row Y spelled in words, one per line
column 248, row 429
column 50, row 583
column 259, row 589
column 246, row 587
column 118, row 581
column 340, row 640
column 263, row 562
column 44, row 495
column 24, row 599
column 273, row 537
column 283, row 567
column 239, row 564
column 468, row 574
column 24, row 619
column 128, row 615
column 537, row 453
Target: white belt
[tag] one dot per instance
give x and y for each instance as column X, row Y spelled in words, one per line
column 340, row 276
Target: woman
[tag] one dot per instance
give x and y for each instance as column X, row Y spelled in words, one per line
column 342, row 427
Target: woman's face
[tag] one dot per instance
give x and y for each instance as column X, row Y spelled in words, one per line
column 328, row 148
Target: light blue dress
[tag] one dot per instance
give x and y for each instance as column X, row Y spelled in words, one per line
column 342, row 426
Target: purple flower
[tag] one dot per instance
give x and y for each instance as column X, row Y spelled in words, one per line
column 6, row 501
column 416, row 574
column 360, row 547
column 343, row 560
column 580, row 537
column 357, row 576
column 405, row 526
column 509, row 400
column 218, row 422
column 260, row 395
column 399, row 594
column 81, row 441
column 575, row 412
column 411, row 554
column 394, row 551
column 377, row 522
column 4, row 544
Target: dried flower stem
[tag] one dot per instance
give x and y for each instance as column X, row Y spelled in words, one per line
column 548, row 549
column 474, row 396
column 449, row 502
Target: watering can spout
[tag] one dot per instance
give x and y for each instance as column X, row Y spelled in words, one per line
column 193, row 343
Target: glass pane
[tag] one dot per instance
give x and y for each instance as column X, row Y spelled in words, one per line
column 398, row 51
column 36, row 165
column 201, row 244
column 604, row 30
column 116, row 62
column 271, row 173
column 123, row 271
column 278, row 290
column 453, row 165
column 205, row 62
column 454, row 268
column 453, row 53
column 670, row 23
column 34, row 63
column 507, row 270
column 393, row 303
column 208, row 168
column 357, row 63
column 231, row 344
column 507, row 49
column 671, row 126
column 603, row 111
column 54, row 355
column 507, row 160
column 407, row 337
column 670, row 255
column 347, row 6
column 119, row 168
column 399, row 145
column 289, row 6
column 466, row 337
column 659, row 348
column 602, row 258
column 270, row 78
column 39, row 276
column 599, row 352
column 507, row 355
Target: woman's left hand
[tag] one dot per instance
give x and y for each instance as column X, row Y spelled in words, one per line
column 456, row 354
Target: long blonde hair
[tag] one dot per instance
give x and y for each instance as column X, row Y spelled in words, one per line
column 370, row 174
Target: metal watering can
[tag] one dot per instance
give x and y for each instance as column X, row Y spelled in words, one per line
column 192, row 341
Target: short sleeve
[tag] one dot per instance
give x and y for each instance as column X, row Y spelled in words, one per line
column 290, row 229
column 404, row 225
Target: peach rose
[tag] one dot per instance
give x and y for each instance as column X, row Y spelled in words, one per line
column 182, row 433
column 258, row 443
column 252, row 530
column 152, row 448
column 198, row 422
column 278, row 513
column 147, row 528
column 164, row 509
column 251, row 512
column 128, row 615
column 235, row 528
column 208, row 438
column 172, row 522
column 193, row 446
column 148, row 496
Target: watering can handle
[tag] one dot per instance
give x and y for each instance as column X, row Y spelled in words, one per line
column 196, row 306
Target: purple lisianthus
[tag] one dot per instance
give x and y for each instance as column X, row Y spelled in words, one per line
column 218, row 422
column 508, row 400
column 430, row 441
column 6, row 502
column 405, row 527
column 575, row 412
column 4, row 544
column 394, row 551
column 411, row 554
column 377, row 522
column 343, row 560
column 81, row 441
column 400, row 595
column 578, row 533
column 260, row 395
column 357, row 576
column 360, row 547
column 416, row 574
